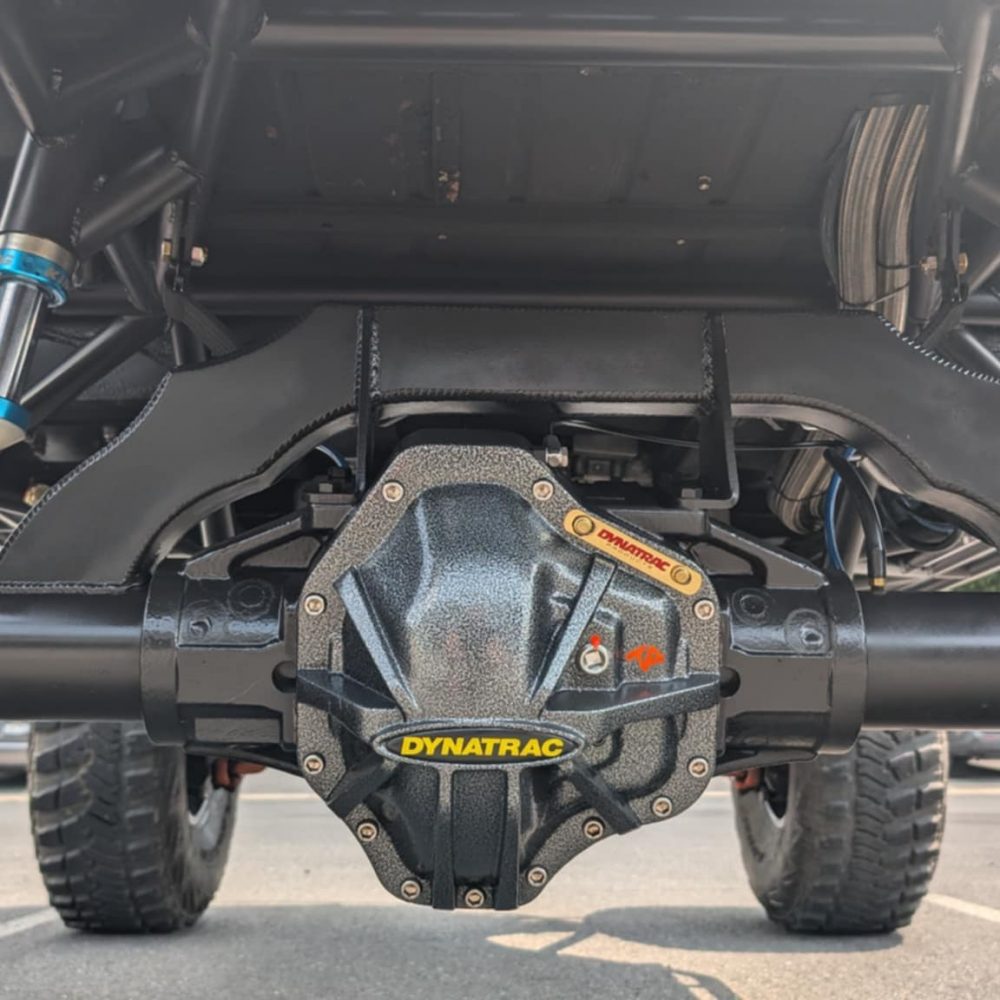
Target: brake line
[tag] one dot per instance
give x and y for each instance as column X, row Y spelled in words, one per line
column 845, row 473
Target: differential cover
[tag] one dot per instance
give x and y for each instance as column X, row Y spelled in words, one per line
column 499, row 677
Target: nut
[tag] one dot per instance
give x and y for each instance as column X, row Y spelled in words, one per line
column 392, row 492
column 963, row 262
column 680, row 575
column 34, row 493
column 556, row 454
column 593, row 829
column 410, row 889
column 474, row 898
column 704, row 611
column 698, row 767
column 166, row 249
column 313, row 763
column 537, row 876
column 367, row 831
column 543, row 490
column 199, row 256
column 929, row 264
column 594, row 659
column 314, row 604
column 662, row 807
column 704, row 182
column 583, row 525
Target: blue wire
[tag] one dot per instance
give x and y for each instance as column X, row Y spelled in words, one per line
column 333, row 454
column 830, row 515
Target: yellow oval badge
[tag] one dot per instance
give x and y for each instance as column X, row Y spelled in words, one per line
column 480, row 746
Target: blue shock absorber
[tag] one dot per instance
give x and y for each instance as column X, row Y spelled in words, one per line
column 34, row 274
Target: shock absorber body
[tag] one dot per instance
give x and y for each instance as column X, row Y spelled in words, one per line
column 38, row 232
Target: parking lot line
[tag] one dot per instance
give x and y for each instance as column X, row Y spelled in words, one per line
column 713, row 793
column 961, row 906
column 11, row 927
column 279, row 797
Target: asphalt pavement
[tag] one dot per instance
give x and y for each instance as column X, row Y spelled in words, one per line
column 662, row 913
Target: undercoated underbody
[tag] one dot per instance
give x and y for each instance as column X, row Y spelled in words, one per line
column 506, row 423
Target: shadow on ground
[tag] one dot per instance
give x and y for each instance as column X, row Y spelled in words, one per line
column 977, row 769
column 359, row 952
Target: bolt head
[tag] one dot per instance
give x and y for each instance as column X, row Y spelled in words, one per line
column 199, row 256
column 314, row 604
column 410, row 889
column 698, row 767
column 392, row 492
column 594, row 659
column 680, row 575
column 583, row 525
column 34, row 493
column 367, row 831
column 313, row 763
column 593, row 829
column 537, row 876
column 704, row 182
column 474, row 898
column 543, row 490
column 704, row 611
column 662, row 807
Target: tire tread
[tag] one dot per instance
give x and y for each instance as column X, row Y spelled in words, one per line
column 111, row 846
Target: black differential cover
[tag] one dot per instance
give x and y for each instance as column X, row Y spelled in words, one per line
column 495, row 678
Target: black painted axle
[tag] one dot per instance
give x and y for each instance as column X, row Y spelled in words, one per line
column 930, row 660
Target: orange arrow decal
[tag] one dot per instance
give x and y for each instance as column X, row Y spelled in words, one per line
column 646, row 657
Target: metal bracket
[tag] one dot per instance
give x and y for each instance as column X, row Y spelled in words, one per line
column 719, row 488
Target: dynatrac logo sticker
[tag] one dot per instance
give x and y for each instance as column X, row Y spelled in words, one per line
column 641, row 556
column 481, row 746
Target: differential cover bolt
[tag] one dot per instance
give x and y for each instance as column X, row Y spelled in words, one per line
column 543, row 490
column 698, row 767
column 367, row 831
column 537, row 876
column 662, row 807
column 410, row 889
column 583, row 525
column 392, row 492
column 594, row 659
column 313, row 763
column 314, row 604
column 704, row 611
column 593, row 829
column 681, row 575
column 474, row 898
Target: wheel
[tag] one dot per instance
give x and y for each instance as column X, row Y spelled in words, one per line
column 846, row 844
column 130, row 837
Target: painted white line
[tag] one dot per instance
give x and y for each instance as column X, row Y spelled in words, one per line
column 244, row 797
column 279, row 797
column 962, row 906
column 19, row 924
column 712, row 793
